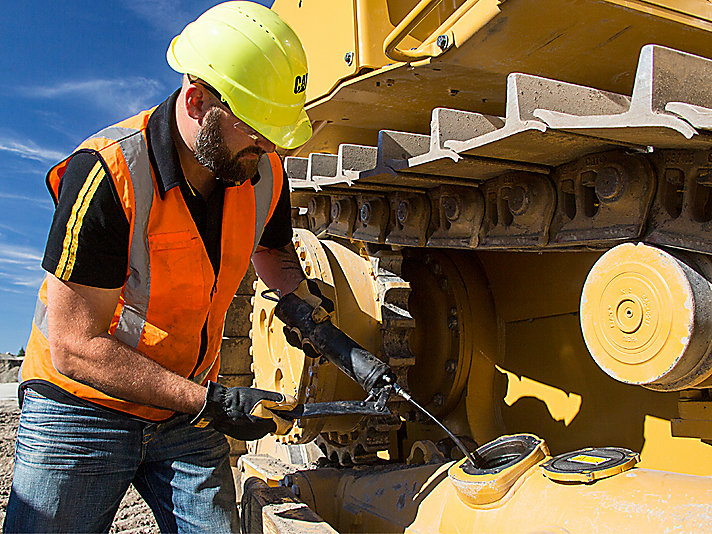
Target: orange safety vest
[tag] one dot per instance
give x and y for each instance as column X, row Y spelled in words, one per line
column 170, row 289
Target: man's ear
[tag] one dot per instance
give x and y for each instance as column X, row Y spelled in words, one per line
column 196, row 102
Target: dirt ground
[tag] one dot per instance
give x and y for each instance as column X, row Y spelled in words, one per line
column 134, row 515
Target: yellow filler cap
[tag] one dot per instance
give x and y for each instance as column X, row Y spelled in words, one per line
column 587, row 465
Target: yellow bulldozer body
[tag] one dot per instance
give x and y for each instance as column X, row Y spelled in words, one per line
column 510, row 203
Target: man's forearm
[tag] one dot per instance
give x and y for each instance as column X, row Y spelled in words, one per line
column 120, row 371
column 278, row 268
column 78, row 319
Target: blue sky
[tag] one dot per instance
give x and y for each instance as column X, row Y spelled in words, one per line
column 69, row 69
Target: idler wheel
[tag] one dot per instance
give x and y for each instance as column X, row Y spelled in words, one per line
column 646, row 317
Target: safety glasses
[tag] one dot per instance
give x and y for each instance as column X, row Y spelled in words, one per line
column 244, row 128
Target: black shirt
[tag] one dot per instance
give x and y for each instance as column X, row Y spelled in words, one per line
column 88, row 241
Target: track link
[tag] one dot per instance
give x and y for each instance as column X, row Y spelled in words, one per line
column 565, row 168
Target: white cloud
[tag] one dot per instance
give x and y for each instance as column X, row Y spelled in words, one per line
column 126, row 95
column 13, row 229
column 20, row 268
column 44, row 203
column 166, row 15
column 171, row 16
column 29, row 150
column 19, row 255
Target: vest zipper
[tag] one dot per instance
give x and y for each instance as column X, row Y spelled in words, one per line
column 204, row 333
column 203, row 347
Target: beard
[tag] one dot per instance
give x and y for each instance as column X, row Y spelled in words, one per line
column 212, row 152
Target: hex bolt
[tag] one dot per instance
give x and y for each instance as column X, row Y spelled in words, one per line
column 295, row 489
column 349, row 58
column 365, row 212
column 443, row 41
column 402, row 211
column 443, row 284
column 335, row 210
column 451, row 366
column 451, row 208
column 435, row 267
column 453, row 311
column 311, row 208
column 608, row 184
column 452, row 322
column 438, row 399
column 518, row 200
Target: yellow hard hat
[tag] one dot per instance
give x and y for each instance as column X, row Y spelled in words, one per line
column 257, row 64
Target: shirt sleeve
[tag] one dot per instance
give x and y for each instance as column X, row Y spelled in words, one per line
column 89, row 237
column 278, row 231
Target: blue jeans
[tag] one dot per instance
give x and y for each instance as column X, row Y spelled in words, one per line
column 73, row 466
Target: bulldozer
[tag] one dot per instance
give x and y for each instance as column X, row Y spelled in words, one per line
column 510, row 204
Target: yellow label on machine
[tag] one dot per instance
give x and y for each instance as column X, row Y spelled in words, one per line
column 587, row 459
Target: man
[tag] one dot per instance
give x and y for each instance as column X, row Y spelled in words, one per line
column 157, row 218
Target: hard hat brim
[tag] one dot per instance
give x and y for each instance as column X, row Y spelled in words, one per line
column 291, row 136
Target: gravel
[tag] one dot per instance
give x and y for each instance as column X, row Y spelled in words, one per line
column 134, row 515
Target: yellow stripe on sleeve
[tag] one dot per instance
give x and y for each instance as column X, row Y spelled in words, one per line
column 74, row 224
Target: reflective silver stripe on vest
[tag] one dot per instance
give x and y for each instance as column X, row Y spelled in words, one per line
column 40, row 318
column 138, row 286
column 263, row 197
column 114, row 133
column 136, row 292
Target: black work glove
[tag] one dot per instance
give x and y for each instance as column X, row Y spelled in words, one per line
column 243, row 413
column 309, row 292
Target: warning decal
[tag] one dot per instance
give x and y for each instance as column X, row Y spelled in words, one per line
column 588, row 459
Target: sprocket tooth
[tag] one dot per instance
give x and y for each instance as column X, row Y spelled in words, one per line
column 361, row 446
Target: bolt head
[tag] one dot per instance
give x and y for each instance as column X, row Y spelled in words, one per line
column 402, row 211
column 438, row 399
column 335, row 210
column 443, row 41
column 608, row 184
column 365, row 213
column 451, row 366
column 452, row 322
column 518, row 200
column 451, row 208
column 312, row 207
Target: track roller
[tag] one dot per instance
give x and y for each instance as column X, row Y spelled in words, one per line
column 646, row 316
